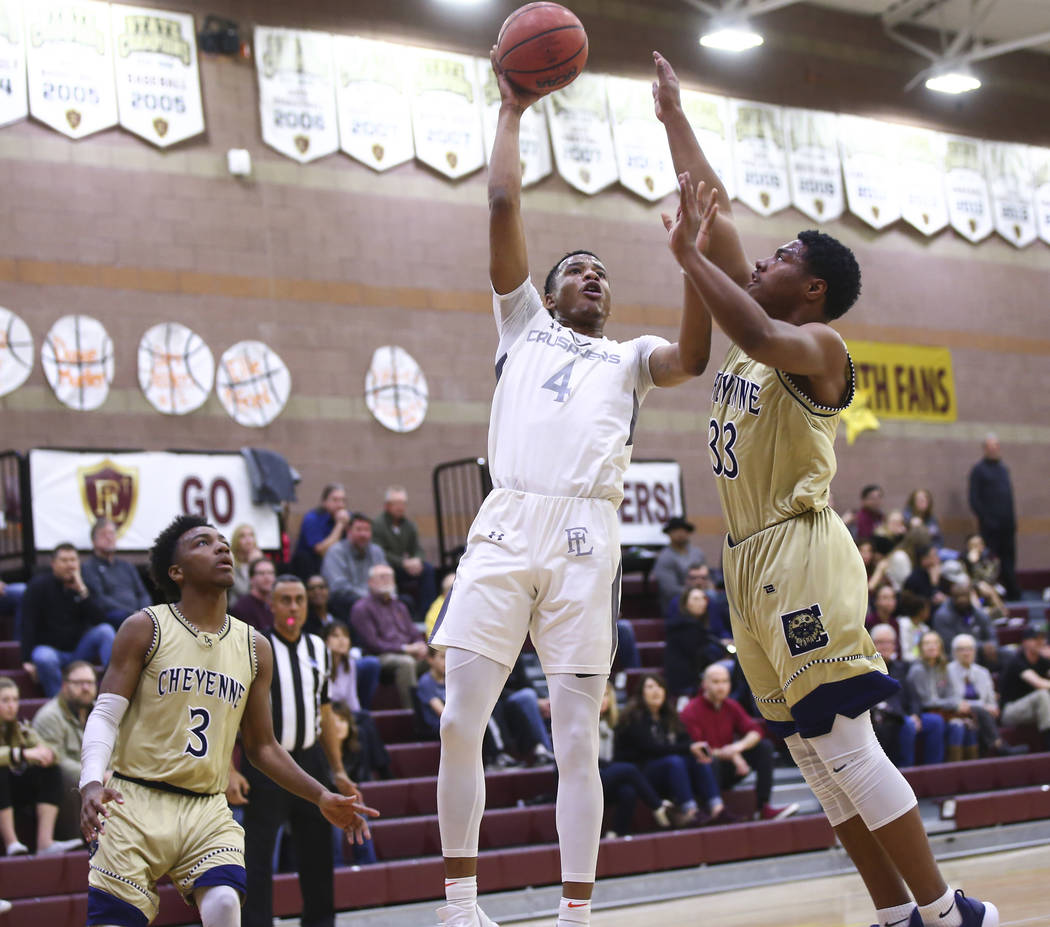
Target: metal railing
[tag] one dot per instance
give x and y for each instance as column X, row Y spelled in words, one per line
column 16, row 519
column 460, row 486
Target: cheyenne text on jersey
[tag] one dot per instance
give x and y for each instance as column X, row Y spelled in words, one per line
column 733, row 390
column 195, row 679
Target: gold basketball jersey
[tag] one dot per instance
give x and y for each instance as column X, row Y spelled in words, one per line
column 182, row 722
column 771, row 446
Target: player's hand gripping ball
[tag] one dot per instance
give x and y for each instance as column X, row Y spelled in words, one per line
column 541, row 47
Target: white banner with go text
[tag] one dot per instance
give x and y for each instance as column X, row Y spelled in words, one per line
column 140, row 493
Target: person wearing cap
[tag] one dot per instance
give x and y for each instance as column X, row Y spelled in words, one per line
column 674, row 561
column 1025, row 683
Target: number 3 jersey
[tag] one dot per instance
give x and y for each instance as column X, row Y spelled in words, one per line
column 771, row 446
column 182, row 722
column 565, row 406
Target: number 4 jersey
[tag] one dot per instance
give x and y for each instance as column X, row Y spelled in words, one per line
column 565, row 406
column 183, row 719
column 772, row 447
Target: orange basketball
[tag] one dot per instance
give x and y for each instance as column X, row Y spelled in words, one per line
column 541, row 47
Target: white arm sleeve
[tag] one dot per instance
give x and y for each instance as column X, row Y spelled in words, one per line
column 100, row 734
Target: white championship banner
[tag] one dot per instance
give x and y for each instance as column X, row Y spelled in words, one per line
column 14, row 103
column 375, row 119
column 813, row 162
column 1013, row 192
column 297, row 92
column 642, row 154
column 869, row 164
column 69, row 59
column 158, row 82
column 969, row 204
column 446, row 113
column 578, row 119
column 708, row 116
column 920, row 179
column 1040, row 158
column 652, row 496
column 760, row 156
column 141, row 493
column 534, row 143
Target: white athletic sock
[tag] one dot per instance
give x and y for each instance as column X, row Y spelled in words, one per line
column 944, row 912
column 462, row 893
column 897, row 916
column 573, row 912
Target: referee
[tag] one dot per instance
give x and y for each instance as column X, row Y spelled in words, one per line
column 303, row 724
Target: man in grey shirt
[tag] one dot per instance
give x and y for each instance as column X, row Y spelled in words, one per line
column 115, row 584
column 346, row 565
column 962, row 614
column 673, row 562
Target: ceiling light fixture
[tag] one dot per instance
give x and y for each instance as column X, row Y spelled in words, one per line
column 953, row 78
column 735, row 36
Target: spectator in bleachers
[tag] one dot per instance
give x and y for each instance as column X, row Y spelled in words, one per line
column 699, row 577
column 983, row 569
column 897, row 565
column 29, row 775
column 913, row 620
column 60, row 723
column 623, row 783
column 245, row 550
column 431, row 691
column 365, row 756
column 354, row 675
column 673, row 562
column 347, row 564
column 356, row 761
column 870, row 557
column 925, row 578
column 526, row 714
column 883, row 608
column 731, row 741
column 62, row 622
column 898, row 724
column 992, row 501
column 254, row 606
column 651, row 735
column 322, row 528
column 975, row 684
column 115, row 584
column 399, row 538
column 889, row 534
column 869, row 516
column 317, row 615
column 1025, row 683
column 919, row 512
column 383, row 627
column 930, row 689
column 691, row 645
column 962, row 614
column 435, row 607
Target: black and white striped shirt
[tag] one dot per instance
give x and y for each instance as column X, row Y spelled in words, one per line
column 298, row 690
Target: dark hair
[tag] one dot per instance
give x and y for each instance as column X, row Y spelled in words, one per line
column 99, row 525
column 910, row 605
column 70, row 668
column 871, row 487
column 331, row 488
column 351, row 745
column 256, row 562
column 162, row 554
column 284, row 577
column 636, row 707
column 341, row 662
column 548, row 283
column 911, row 502
column 359, row 516
column 834, row 263
column 65, row 545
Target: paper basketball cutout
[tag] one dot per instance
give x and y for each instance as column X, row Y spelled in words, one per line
column 16, row 351
column 176, row 368
column 396, row 390
column 253, row 383
column 77, row 357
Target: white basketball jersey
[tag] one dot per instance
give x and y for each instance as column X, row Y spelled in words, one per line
column 565, row 406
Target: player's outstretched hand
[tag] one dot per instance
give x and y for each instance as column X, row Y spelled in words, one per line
column 508, row 91
column 93, row 810
column 691, row 226
column 349, row 814
column 667, row 95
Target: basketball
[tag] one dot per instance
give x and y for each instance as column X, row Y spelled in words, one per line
column 542, row 47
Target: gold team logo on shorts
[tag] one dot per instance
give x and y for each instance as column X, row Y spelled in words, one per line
column 804, row 630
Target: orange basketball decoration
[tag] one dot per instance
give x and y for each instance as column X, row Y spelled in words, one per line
column 542, row 47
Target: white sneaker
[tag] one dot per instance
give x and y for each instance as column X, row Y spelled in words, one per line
column 17, row 848
column 62, row 846
column 542, row 756
column 451, row 916
column 5, row 906
column 660, row 814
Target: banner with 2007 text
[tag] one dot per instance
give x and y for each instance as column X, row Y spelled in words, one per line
column 905, row 381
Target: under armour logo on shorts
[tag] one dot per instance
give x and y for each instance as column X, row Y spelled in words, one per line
column 804, row 630
column 495, row 535
column 577, row 539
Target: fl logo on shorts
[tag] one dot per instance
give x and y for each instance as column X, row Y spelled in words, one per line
column 577, row 541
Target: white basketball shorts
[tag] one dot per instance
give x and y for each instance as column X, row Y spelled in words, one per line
column 544, row 565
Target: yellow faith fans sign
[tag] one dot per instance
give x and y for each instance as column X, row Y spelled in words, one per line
column 905, row 381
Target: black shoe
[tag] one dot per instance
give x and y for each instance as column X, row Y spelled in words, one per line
column 1005, row 749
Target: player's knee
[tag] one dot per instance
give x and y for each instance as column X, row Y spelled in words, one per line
column 459, row 732
column 833, row 800
column 220, row 906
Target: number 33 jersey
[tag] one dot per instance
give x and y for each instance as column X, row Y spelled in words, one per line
column 182, row 722
column 565, row 406
column 772, row 448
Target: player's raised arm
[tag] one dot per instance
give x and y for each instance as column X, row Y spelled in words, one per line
column 508, row 256
column 726, row 250
column 269, row 757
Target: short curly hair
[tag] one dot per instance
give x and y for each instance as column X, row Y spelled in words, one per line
column 834, row 263
column 552, row 274
column 162, row 554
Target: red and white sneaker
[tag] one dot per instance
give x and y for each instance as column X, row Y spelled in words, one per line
column 770, row 813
